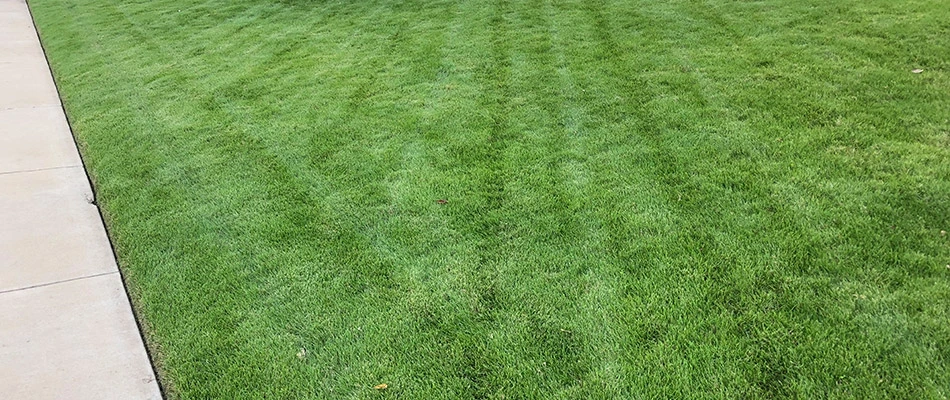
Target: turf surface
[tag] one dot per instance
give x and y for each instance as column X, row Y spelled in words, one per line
column 523, row 199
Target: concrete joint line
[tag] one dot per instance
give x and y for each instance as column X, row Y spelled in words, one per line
column 32, row 106
column 26, row 171
column 56, row 282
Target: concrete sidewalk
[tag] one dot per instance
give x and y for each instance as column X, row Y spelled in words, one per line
column 66, row 327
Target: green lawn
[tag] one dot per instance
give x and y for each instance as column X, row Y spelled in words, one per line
column 643, row 199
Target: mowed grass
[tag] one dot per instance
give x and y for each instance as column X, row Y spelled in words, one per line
column 642, row 199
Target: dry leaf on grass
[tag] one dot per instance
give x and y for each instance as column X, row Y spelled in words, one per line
column 917, row 71
column 381, row 386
